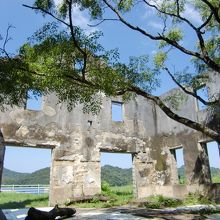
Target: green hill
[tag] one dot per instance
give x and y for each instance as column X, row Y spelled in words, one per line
column 115, row 176
column 11, row 177
column 41, row 176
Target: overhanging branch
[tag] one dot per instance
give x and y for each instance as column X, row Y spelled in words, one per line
column 189, row 123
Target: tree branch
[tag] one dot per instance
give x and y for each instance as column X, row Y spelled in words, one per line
column 189, row 92
column 46, row 12
column 103, row 20
column 7, row 39
column 204, row 56
column 206, row 22
column 75, row 40
column 189, row 123
column 177, row 7
column 213, row 9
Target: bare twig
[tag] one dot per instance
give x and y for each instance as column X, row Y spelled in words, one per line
column 7, row 39
column 103, row 20
column 47, row 12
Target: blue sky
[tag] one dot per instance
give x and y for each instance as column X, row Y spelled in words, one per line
column 129, row 43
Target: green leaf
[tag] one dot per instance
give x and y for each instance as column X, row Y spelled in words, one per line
column 174, row 34
column 159, row 59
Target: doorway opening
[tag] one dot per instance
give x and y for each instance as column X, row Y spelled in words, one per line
column 179, row 158
column 26, row 170
column 116, row 174
column 214, row 160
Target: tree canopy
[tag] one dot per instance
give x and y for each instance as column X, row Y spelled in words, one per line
column 61, row 58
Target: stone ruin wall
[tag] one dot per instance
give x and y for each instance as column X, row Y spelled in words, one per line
column 77, row 140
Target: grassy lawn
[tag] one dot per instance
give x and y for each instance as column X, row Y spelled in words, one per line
column 21, row 200
column 117, row 196
column 216, row 179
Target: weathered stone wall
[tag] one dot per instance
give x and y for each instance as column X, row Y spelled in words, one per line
column 77, row 140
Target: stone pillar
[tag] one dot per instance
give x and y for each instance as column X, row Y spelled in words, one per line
column 75, row 171
column 197, row 169
column 2, row 155
column 143, row 167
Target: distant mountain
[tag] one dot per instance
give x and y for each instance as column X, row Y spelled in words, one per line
column 215, row 171
column 10, row 177
column 115, row 176
column 41, row 176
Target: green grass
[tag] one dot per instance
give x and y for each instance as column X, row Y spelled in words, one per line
column 122, row 189
column 118, row 195
column 216, row 179
column 21, row 200
column 195, row 199
column 158, row 202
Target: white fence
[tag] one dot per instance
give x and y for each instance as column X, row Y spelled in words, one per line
column 32, row 189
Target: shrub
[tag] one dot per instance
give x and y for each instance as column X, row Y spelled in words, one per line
column 105, row 187
column 157, row 202
column 196, row 198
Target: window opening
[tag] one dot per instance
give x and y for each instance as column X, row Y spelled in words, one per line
column 34, row 100
column 89, row 122
column 214, row 161
column 25, row 166
column 117, row 111
column 178, row 155
column 203, row 93
column 116, row 173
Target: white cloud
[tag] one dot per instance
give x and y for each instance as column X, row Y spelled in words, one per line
column 80, row 18
column 156, row 25
column 150, row 11
column 191, row 14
